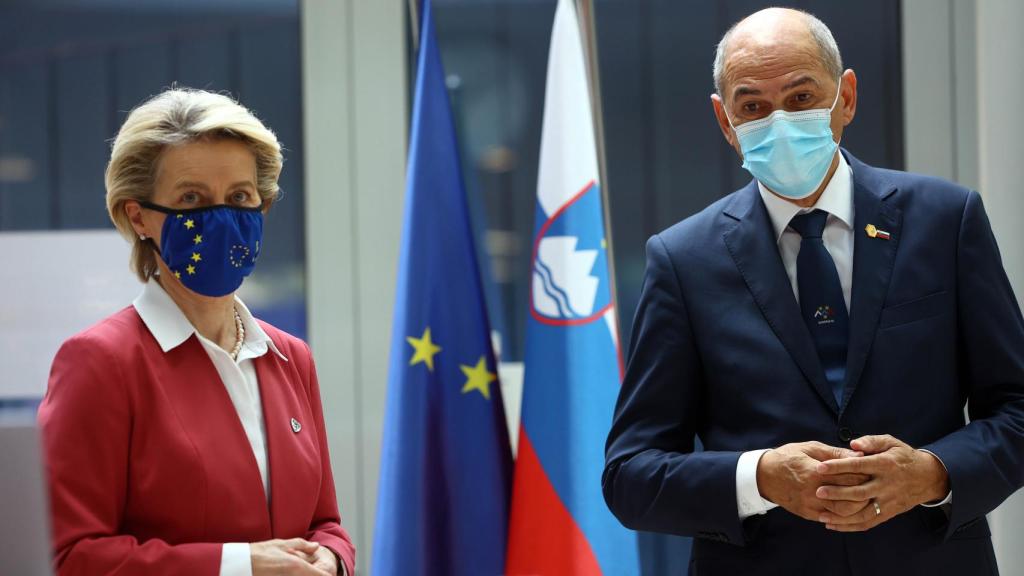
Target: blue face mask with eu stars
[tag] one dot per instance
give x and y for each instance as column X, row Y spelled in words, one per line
column 210, row 249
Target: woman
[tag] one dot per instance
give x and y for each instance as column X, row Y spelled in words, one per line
column 184, row 436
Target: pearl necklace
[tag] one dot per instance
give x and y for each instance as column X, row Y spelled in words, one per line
column 239, row 336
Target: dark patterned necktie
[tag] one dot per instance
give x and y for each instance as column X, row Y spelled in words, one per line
column 821, row 299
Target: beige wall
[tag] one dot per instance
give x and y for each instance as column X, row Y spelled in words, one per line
column 962, row 72
column 1001, row 176
column 355, row 98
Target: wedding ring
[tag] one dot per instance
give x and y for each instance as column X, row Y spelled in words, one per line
column 878, row 509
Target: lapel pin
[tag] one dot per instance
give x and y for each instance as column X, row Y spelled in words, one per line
column 874, row 232
column 296, row 426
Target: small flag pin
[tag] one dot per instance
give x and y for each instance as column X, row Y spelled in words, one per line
column 874, row 232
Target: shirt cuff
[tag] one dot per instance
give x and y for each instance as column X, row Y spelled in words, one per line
column 235, row 560
column 949, row 496
column 748, row 498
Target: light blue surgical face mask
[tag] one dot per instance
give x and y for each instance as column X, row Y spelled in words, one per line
column 789, row 152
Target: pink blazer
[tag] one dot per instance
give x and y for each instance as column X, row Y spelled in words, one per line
column 150, row 470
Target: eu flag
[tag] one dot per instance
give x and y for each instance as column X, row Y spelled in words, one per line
column 446, row 462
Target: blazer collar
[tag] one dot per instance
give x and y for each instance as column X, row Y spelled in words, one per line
column 876, row 204
column 751, row 243
column 837, row 200
column 171, row 328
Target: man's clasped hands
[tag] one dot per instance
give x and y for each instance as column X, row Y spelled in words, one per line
column 855, row 489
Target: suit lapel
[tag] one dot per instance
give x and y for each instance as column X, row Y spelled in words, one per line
column 275, row 419
column 873, row 260
column 756, row 254
column 202, row 403
column 292, row 454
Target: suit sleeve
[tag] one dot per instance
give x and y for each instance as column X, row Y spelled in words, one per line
column 653, row 478
column 325, row 528
column 86, row 424
column 985, row 459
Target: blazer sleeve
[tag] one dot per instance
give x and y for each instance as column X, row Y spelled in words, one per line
column 985, row 459
column 325, row 528
column 653, row 479
column 86, row 422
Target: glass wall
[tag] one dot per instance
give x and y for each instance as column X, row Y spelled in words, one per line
column 71, row 70
column 666, row 156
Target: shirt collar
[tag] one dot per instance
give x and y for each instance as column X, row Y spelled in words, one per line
column 169, row 326
column 836, row 199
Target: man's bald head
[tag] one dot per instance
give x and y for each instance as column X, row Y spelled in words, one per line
column 773, row 30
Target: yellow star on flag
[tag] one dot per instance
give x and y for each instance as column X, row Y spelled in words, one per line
column 196, row 257
column 190, row 224
column 425, row 350
column 190, row 269
column 478, row 378
column 198, row 239
column 177, row 275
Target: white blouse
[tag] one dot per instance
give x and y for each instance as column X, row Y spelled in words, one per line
column 169, row 326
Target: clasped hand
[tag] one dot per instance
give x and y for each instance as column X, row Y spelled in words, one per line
column 295, row 556
column 851, row 490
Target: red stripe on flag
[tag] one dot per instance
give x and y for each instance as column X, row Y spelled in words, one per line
column 544, row 540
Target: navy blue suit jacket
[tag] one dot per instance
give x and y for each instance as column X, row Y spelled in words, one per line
column 719, row 352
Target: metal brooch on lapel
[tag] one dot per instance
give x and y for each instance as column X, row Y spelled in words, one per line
column 874, row 232
column 296, row 426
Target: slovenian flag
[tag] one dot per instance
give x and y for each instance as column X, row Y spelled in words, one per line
column 559, row 523
column 446, row 463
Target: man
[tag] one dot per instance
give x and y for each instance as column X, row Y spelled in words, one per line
column 839, row 316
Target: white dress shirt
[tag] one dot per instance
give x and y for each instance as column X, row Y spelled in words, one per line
column 169, row 326
column 838, row 237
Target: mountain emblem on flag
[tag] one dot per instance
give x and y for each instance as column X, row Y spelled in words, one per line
column 562, row 284
column 570, row 274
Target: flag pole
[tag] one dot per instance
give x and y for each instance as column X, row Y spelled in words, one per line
column 588, row 31
column 414, row 23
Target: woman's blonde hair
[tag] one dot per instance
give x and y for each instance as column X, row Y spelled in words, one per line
column 174, row 117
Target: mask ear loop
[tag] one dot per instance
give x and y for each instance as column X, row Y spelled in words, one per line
column 727, row 119
column 155, row 207
column 839, row 90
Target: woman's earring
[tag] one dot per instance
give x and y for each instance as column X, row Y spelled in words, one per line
column 142, row 237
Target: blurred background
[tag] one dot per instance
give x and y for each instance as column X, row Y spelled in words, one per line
column 937, row 81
